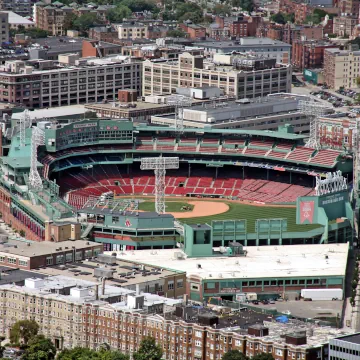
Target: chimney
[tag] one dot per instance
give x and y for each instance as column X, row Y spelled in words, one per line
column 103, row 286
column 97, row 292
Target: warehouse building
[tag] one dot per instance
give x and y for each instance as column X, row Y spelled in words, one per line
column 268, row 270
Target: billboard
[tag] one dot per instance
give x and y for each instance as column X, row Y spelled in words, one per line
column 317, row 209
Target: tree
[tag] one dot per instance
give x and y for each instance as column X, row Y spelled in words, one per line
column 34, row 33
column 263, row 356
column 77, row 353
column 22, row 233
column 69, row 21
column 289, row 17
column 139, row 5
column 234, row 355
column 112, row 355
column 176, row 33
column 278, row 18
column 148, row 350
column 84, row 22
column 23, row 330
column 119, row 13
column 189, row 11
column 246, row 5
column 220, row 9
column 40, row 348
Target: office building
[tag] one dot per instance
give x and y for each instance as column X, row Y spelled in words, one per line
column 40, row 83
column 345, row 347
column 240, row 81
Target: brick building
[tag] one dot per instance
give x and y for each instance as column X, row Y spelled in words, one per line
column 309, row 54
column 289, row 33
column 88, row 314
column 103, row 33
column 194, row 31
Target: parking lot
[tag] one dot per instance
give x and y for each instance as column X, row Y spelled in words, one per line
column 307, row 309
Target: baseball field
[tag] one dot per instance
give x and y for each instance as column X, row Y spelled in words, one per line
column 204, row 211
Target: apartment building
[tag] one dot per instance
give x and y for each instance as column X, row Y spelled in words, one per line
column 193, row 71
column 51, row 17
column 89, row 314
column 309, row 54
column 39, row 84
column 344, row 25
column 194, row 31
column 132, row 30
column 341, row 68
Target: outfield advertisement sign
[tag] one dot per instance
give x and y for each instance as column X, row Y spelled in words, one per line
column 308, row 208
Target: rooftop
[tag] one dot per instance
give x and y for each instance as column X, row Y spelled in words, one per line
column 47, row 284
column 29, row 249
column 260, row 262
column 354, row 338
column 17, row 19
column 140, row 105
column 125, row 274
column 315, row 335
column 55, row 112
column 250, row 42
column 64, row 44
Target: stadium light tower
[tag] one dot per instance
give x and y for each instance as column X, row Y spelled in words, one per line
column 25, row 122
column 37, row 139
column 314, row 111
column 179, row 101
column 159, row 165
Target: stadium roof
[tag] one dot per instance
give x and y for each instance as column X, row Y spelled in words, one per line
column 260, row 262
column 265, row 133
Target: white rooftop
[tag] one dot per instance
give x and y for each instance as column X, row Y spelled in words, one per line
column 260, row 262
column 17, row 19
column 54, row 112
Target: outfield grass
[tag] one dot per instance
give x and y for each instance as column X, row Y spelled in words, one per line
column 239, row 211
column 170, row 206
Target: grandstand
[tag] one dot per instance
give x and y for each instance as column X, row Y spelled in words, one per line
column 103, row 178
column 213, row 164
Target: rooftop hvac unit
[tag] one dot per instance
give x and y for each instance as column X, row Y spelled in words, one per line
column 107, row 259
column 103, row 273
column 179, row 255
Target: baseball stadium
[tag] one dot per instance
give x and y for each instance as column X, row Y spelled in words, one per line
column 242, row 184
